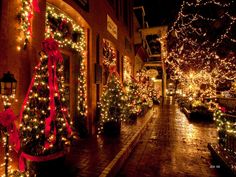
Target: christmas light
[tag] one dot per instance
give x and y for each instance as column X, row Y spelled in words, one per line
column 38, row 109
column 75, row 43
column 73, row 38
column 25, row 16
column 226, row 126
column 193, row 49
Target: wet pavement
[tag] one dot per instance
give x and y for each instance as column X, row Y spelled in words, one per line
column 90, row 156
column 173, row 147
column 169, row 146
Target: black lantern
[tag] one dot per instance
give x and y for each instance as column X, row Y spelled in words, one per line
column 8, row 84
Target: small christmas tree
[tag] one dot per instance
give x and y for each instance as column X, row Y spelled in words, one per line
column 134, row 99
column 45, row 125
column 144, row 89
column 112, row 102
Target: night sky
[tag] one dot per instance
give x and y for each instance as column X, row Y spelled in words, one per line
column 159, row 12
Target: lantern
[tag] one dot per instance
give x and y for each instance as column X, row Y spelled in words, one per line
column 8, row 84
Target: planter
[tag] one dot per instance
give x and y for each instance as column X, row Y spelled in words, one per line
column 133, row 117
column 112, row 128
column 156, row 101
column 44, row 165
column 47, row 168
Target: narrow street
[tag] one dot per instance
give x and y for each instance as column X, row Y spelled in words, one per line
column 173, row 146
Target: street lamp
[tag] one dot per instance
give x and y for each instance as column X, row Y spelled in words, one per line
column 7, row 90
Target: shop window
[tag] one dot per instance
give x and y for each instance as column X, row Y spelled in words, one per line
column 109, row 58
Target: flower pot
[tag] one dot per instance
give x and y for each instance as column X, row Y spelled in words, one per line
column 112, row 128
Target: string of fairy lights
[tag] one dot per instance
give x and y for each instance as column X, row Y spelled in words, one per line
column 181, row 29
column 78, row 44
column 196, row 4
column 31, row 109
column 24, row 17
column 189, row 49
column 5, row 138
column 7, row 102
column 226, row 127
column 197, row 61
column 198, row 85
column 58, row 26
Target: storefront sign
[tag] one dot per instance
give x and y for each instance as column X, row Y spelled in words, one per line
column 112, row 27
column 84, row 4
column 152, row 73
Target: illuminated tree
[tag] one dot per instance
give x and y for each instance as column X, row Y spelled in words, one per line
column 144, row 89
column 113, row 104
column 45, row 122
column 134, row 99
column 201, row 39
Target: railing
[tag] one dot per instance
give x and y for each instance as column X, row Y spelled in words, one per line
column 226, row 125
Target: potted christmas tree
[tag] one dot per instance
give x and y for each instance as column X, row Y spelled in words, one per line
column 112, row 105
column 45, row 129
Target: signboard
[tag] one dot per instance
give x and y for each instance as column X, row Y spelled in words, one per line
column 84, row 4
column 112, row 27
column 153, row 73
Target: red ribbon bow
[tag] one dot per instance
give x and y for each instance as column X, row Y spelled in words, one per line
column 7, row 119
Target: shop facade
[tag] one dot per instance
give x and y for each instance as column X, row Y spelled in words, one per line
column 82, row 29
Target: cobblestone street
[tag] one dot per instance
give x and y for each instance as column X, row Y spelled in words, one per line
column 173, row 146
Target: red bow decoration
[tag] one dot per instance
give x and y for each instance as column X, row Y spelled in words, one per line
column 223, row 109
column 112, row 70
column 36, row 6
column 7, row 119
column 50, row 47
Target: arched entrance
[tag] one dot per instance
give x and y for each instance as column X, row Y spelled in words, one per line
column 72, row 39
